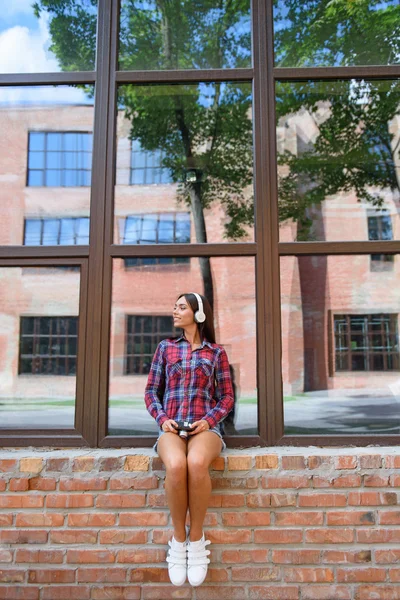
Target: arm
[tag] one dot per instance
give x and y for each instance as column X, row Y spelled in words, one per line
column 155, row 387
column 224, row 391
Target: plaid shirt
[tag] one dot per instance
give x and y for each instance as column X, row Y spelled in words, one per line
column 187, row 385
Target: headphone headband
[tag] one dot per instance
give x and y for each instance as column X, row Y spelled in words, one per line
column 199, row 315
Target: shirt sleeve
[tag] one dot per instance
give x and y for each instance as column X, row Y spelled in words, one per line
column 223, row 392
column 155, row 387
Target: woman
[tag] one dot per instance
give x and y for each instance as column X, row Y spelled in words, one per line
column 189, row 381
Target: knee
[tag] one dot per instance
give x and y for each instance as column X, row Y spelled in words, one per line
column 197, row 466
column 177, row 470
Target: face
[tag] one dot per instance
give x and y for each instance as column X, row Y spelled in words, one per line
column 183, row 314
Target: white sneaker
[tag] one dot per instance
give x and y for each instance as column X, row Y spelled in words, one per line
column 197, row 561
column 177, row 562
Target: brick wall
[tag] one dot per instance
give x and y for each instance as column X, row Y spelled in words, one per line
column 285, row 524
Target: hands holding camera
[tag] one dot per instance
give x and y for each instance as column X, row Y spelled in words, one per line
column 197, row 427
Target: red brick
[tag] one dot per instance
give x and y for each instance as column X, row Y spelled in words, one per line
column 394, row 480
column 83, row 463
column 288, row 481
column 90, row 556
column 329, row 536
column 108, row 592
column 314, row 462
column 158, row 499
column 25, row 501
column 346, row 556
column 226, row 483
column 326, row 592
column 43, row 484
column 273, row 592
column 376, row 480
column 162, row 536
column 308, row 575
column 121, row 536
column 110, row 463
column 3, row 485
column 244, row 556
column 392, row 462
column 372, row 498
column 158, row 592
column 75, row 484
column 19, row 592
column 137, row 462
column 66, row 592
column 255, row 574
column 378, row 536
column 379, row 592
column 299, row 518
column 20, row 484
column 245, row 519
column 51, row 576
column 390, row 517
column 232, row 500
column 141, row 555
column 370, row 461
column 6, row 520
column 394, row 575
column 295, row 557
column 258, row 500
column 387, row 556
column 12, row 576
column 57, row 464
column 229, row 592
column 74, row 536
column 283, row 499
column 31, row 465
column 39, row 520
column 69, row 501
column 277, row 536
column 342, row 481
column 355, row 575
column 293, row 462
column 23, row 537
column 7, row 465
column 143, row 519
column 239, row 463
column 91, row 519
column 316, row 499
column 267, row 461
column 218, row 536
column 101, row 575
column 346, row 462
column 121, row 501
column 157, row 464
column 149, row 574
column 130, row 482
column 39, row 556
column 218, row 464
column 6, row 556
column 350, row 518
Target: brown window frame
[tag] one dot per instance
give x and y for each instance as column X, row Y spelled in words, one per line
column 93, row 362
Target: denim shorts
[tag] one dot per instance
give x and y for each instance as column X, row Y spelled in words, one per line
column 213, row 429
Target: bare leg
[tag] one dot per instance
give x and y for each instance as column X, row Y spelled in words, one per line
column 172, row 451
column 202, row 449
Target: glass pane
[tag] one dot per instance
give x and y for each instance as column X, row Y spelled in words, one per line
column 46, row 37
column 184, row 35
column 37, row 384
column 32, row 159
column 324, row 33
column 338, row 160
column 201, row 134
column 341, row 351
column 140, row 320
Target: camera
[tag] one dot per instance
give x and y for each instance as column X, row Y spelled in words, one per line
column 182, row 428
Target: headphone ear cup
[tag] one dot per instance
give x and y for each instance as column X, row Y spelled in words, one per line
column 199, row 317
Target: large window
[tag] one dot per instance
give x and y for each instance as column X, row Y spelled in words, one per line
column 59, row 159
column 56, row 232
column 143, row 334
column 48, row 345
column 147, row 166
column 380, row 228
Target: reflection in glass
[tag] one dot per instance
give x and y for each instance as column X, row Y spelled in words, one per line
column 341, row 351
column 46, row 37
column 46, row 142
column 141, row 317
column 180, row 148
column 184, row 35
column 312, row 33
column 338, row 160
column 39, row 321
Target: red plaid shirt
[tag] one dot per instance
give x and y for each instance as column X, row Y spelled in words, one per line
column 187, row 385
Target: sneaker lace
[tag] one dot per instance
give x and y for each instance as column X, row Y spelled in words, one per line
column 198, row 556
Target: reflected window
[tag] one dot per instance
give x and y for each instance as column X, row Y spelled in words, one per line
column 59, row 159
column 157, row 228
column 147, row 167
column 48, row 345
column 56, row 232
column 366, row 342
column 143, row 334
column 380, row 228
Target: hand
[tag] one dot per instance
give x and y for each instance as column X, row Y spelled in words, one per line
column 199, row 426
column 169, row 426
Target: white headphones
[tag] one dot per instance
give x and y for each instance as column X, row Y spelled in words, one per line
column 199, row 315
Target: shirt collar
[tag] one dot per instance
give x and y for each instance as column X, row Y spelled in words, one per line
column 203, row 343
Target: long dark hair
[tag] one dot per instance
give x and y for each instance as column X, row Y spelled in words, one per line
column 206, row 329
